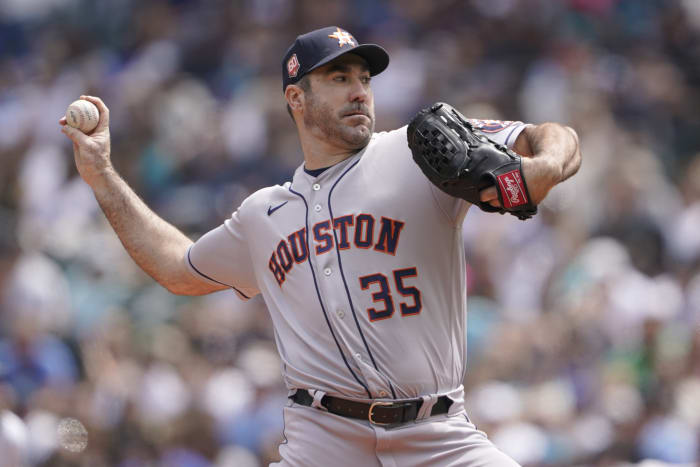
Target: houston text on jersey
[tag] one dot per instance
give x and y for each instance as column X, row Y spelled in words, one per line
column 360, row 231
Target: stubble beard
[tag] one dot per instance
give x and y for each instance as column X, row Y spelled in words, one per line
column 320, row 117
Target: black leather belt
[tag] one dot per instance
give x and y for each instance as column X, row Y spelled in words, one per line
column 378, row 412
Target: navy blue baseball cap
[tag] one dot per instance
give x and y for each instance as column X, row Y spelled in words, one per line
column 316, row 48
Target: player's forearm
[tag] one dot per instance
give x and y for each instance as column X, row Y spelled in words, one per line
column 556, row 157
column 558, row 146
column 155, row 245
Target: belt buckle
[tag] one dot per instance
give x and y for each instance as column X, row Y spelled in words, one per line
column 371, row 408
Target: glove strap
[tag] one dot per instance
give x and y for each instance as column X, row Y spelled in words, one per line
column 513, row 189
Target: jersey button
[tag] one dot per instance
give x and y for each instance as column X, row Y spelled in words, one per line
column 317, row 208
column 316, row 187
column 341, row 314
column 327, row 271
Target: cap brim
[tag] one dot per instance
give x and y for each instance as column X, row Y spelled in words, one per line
column 377, row 58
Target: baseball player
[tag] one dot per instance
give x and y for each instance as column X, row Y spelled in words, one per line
column 359, row 259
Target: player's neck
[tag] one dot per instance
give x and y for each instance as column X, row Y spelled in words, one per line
column 319, row 154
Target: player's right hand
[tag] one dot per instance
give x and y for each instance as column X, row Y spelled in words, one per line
column 91, row 152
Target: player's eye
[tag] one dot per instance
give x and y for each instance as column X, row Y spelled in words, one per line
column 366, row 79
column 339, row 78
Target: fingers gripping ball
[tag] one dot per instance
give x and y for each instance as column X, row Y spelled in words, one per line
column 82, row 115
column 462, row 161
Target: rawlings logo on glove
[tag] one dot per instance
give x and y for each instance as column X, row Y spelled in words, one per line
column 462, row 161
column 512, row 183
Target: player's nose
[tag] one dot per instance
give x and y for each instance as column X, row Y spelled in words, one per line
column 359, row 91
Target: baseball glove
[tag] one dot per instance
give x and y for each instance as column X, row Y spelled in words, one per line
column 462, row 161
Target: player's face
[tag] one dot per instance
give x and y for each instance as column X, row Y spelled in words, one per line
column 340, row 106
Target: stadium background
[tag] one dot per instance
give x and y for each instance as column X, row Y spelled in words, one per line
column 584, row 341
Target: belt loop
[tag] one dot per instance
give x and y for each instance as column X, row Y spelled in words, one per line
column 427, row 406
column 318, row 395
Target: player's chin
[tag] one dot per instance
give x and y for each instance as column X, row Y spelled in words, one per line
column 361, row 132
column 359, row 123
column 357, row 137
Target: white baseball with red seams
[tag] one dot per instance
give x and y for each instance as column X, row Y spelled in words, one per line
column 83, row 115
column 363, row 271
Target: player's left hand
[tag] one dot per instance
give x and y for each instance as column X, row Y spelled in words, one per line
column 490, row 196
column 464, row 163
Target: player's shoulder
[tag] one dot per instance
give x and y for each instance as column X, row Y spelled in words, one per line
column 388, row 144
column 391, row 137
column 389, row 152
column 262, row 198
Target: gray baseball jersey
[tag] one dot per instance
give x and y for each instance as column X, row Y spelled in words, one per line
column 362, row 269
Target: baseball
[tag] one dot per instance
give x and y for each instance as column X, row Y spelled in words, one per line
column 82, row 115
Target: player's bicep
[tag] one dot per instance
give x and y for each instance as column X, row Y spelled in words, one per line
column 195, row 284
column 220, row 259
column 199, row 282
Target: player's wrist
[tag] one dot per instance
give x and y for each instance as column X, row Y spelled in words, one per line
column 100, row 178
column 541, row 175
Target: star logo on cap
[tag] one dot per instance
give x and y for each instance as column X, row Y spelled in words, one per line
column 343, row 37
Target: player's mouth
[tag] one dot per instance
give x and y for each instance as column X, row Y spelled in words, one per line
column 357, row 114
column 355, row 110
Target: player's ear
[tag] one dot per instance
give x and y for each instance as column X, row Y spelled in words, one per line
column 294, row 96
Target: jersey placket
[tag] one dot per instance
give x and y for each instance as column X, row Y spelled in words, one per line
column 327, row 267
column 325, row 263
column 323, row 266
column 361, row 353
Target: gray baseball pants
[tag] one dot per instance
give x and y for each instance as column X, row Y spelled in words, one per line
column 317, row 438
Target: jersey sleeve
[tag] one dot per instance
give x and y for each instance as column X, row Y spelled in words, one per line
column 501, row 131
column 222, row 257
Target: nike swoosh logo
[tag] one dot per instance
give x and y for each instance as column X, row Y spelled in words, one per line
column 270, row 210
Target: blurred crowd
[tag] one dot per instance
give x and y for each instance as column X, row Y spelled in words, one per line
column 584, row 323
